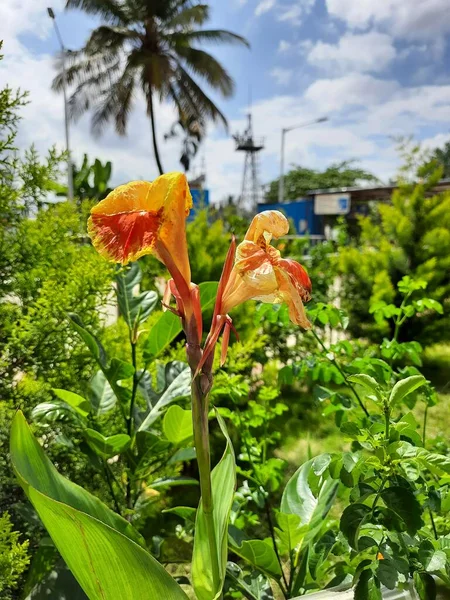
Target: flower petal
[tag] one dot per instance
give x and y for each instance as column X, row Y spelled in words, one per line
column 134, row 218
column 267, row 225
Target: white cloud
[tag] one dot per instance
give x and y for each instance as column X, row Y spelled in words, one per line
column 282, row 76
column 417, row 19
column 349, row 90
column 264, row 6
column 366, row 52
column 284, row 46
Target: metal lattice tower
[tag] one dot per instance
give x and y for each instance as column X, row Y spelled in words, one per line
column 251, row 188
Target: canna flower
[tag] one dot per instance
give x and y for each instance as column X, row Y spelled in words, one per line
column 141, row 218
column 255, row 271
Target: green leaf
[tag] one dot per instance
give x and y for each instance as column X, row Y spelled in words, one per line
column 185, row 512
column 367, row 382
column 368, row 587
column 432, row 560
column 223, row 480
column 177, row 425
column 181, row 455
column 169, row 325
column 260, row 554
column 78, row 403
column 351, row 520
column 54, row 411
column 101, row 394
column 298, row 498
column 166, row 482
column 106, row 447
column 135, row 309
column 179, row 388
column 387, row 573
column 437, row 463
column 95, row 347
column 404, row 387
column 289, row 531
column 425, row 586
column 403, row 502
column 102, row 550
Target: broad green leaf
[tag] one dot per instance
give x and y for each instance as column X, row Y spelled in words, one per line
column 351, row 520
column 432, row 560
column 367, row 382
column 223, row 479
column 56, row 410
column 78, row 403
column 299, row 499
column 437, row 463
column 177, row 425
column 169, row 325
column 101, row 548
column 101, row 394
column 135, row 309
column 259, row 554
column 387, row 573
column 179, row 388
column 106, row 447
column 404, row 387
column 404, row 503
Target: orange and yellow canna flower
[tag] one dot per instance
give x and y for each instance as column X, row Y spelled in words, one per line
column 259, row 272
column 141, row 218
column 150, row 218
column 255, row 271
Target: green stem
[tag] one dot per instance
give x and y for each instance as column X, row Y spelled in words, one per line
column 424, row 431
column 387, row 420
column 336, row 364
column 134, row 388
column 436, row 537
column 201, row 440
column 111, row 488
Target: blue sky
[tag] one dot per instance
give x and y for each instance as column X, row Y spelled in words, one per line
column 377, row 69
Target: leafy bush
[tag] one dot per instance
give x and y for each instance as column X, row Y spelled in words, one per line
column 411, row 237
column 14, row 557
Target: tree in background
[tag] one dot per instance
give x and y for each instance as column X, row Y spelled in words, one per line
column 149, row 45
column 300, row 180
column 442, row 156
column 90, row 181
column 410, row 236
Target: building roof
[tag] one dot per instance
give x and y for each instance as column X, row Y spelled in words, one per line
column 376, row 192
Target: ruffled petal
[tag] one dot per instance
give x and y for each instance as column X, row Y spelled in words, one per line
column 133, row 219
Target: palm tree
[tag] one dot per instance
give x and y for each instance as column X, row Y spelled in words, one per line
column 146, row 43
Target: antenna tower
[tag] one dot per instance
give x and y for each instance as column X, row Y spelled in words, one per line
column 251, row 188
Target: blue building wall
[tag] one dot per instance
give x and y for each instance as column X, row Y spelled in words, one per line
column 200, row 199
column 301, row 212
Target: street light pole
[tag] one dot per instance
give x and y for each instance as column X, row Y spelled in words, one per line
column 51, row 14
column 284, row 131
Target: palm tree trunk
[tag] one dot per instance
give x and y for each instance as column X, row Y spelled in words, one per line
column 152, row 121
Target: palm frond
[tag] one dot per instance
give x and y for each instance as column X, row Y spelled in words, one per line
column 110, row 10
column 110, row 38
column 187, row 17
column 81, row 67
column 188, row 95
column 115, row 105
column 217, row 36
column 208, row 68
